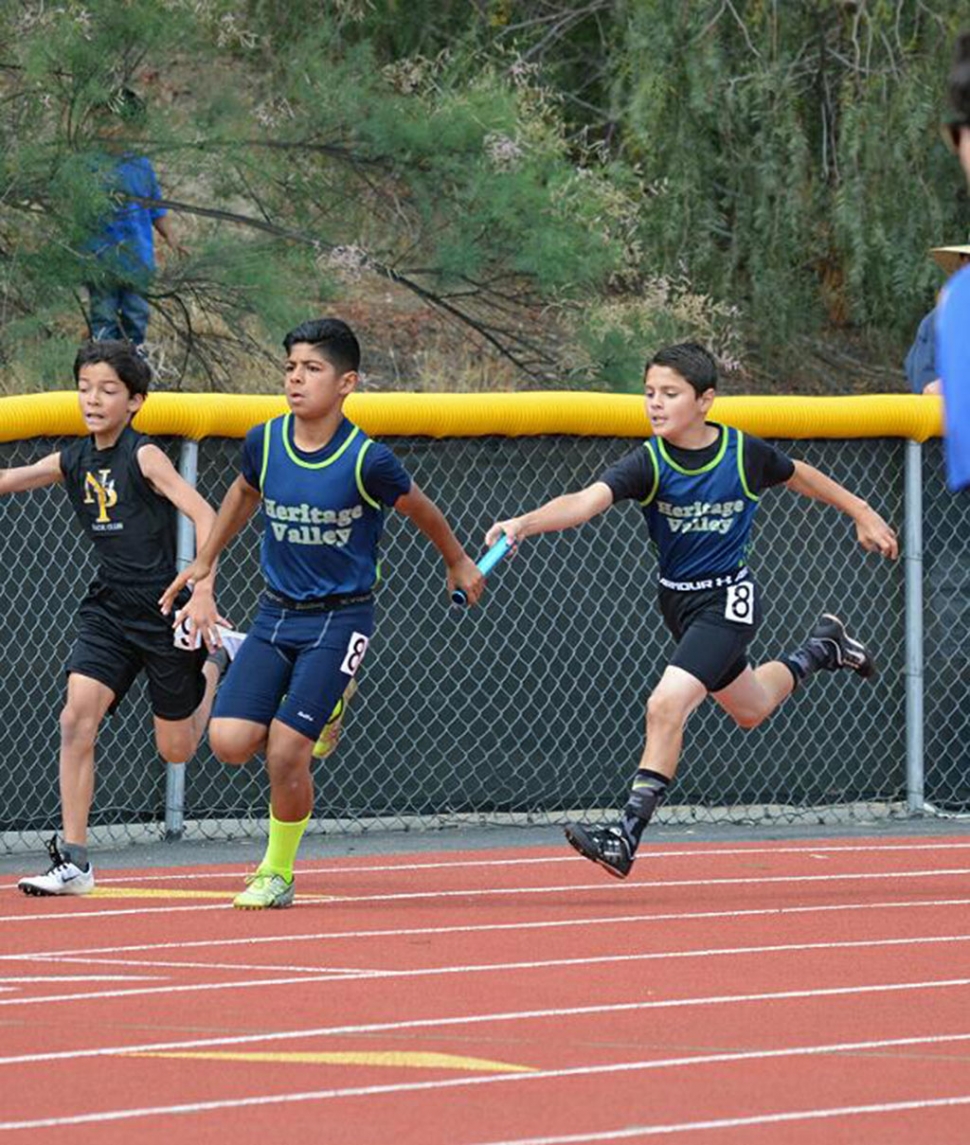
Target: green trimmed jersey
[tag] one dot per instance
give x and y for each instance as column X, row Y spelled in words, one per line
column 700, row 505
column 323, row 512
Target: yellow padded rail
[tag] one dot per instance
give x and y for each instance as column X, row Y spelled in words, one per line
column 572, row 413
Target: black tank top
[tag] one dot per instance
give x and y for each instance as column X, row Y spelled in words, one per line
column 132, row 527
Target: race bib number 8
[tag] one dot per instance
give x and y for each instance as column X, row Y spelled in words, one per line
column 356, row 647
column 186, row 639
column 740, row 603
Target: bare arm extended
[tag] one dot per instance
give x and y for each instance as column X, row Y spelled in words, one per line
column 560, row 513
column 166, row 479
column 461, row 570
column 47, row 471
column 872, row 532
column 238, row 505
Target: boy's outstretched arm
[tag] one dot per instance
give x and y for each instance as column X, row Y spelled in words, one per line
column 47, row 471
column 461, row 569
column 872, row 532
column 560, row 513
column 166, row 479
column 238, row 505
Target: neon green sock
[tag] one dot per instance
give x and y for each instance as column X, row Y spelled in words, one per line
column 284, row 842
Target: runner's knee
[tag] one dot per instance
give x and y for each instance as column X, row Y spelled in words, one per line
column 664, row 711
column 77, row 725
column 177, row 747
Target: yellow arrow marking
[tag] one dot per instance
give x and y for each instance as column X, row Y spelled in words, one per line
column 397, row 1058
column 173, row 893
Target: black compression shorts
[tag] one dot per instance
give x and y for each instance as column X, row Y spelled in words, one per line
column 713, row 628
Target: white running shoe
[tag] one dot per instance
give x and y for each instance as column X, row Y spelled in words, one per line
column 63, row 877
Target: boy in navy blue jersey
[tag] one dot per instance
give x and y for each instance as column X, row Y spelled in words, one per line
column 698, row 484
column 322, row 484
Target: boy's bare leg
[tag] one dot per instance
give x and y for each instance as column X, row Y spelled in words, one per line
column 288, row 758
column 289, row 755
column 177, row 740
column 756, row 693
column 668, row 709
column 70, row 873
column 87, row 704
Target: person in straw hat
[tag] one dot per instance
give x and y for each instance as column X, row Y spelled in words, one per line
column 920, row 365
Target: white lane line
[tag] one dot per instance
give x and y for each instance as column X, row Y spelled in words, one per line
column 75, row 917
column 160, row 964
column 349, row 975
column 484, row 928
column 109, row 1115
column 642, row 1131
column 700, row 851
column 442, row 1023
column 40, row 978
column 335, row 975
column 650, row 888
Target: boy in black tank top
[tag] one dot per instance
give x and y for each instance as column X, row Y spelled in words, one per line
column 124, row 492
column 698, row 484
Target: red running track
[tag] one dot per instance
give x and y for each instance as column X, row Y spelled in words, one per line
column 751, row 993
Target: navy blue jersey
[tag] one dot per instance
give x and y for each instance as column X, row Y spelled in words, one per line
column 699, row 504
column 323, row 512
column 131, row 526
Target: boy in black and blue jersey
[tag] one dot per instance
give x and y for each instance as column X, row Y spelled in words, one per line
column 698, row 484
column 322, row 484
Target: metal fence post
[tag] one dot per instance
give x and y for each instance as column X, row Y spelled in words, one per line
column 185, row 551
column 913, row 558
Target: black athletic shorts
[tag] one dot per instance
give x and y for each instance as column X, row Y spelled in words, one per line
column 713, row 628
column 120, row 632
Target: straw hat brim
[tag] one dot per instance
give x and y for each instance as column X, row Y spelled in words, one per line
column 950, row 258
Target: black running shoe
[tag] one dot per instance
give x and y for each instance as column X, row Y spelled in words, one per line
column 603, row 845
column 841, row 650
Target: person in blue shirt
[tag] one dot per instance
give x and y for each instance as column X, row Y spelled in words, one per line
column 953, row 324
column 322, row 485
column 123, row 248
column 698, row 484
column 921, row 368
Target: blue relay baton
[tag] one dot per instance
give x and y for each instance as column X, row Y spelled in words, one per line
column 485, row 565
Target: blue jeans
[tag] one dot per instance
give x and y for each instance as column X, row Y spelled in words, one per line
column 118, row 311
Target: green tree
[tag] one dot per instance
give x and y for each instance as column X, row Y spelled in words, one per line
column 303, row 160
column 566, row 184
column 795, row 166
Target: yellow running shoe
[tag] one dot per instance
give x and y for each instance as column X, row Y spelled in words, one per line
column 330, row 736
column 265, row 891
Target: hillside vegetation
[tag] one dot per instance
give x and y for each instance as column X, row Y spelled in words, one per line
column 499, row 194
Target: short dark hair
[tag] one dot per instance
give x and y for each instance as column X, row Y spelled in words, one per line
column 692, row 361
column 960, row 82
column 122, row 357
column 332, row 337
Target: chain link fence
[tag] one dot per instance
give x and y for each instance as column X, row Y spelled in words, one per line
column 530, row 708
